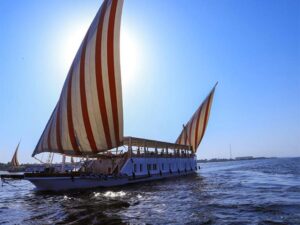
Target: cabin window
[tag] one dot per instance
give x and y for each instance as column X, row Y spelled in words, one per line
column 134, row 168
column 154, row 167
column 141, row 167
column 162, row 166
column 148, row 166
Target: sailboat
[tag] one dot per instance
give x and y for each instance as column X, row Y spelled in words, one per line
column 87, row 121
column 14, row 161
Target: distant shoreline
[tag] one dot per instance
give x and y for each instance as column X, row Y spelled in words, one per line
column 235, row 159
column 7, row 166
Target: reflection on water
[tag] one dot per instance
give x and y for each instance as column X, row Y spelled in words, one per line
column 244, row 192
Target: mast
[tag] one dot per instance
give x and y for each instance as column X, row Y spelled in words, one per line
column 63, row 163
column 38, row 159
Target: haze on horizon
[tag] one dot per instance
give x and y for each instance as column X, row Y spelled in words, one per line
column 172, row 53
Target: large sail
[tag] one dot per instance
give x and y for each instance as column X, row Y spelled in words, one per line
column 14, row 161
column 194, row 130
column 88, row 117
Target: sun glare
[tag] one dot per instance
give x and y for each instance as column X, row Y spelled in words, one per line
column 70, row 43
column 130, row 57
column 130, row 51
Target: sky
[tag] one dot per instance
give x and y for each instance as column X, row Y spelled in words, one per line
column 172, row 54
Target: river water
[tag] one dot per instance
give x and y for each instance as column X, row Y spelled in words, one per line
column 265, row 191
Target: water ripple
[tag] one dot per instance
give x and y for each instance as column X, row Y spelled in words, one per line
column 245, row 192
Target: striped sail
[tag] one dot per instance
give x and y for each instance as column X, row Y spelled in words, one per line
column 194, row 130
column 88, row 117
column 14, row 161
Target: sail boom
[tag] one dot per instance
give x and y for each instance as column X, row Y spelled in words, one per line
column 71, row 153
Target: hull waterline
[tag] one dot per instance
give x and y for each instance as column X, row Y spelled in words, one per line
column 63, row 183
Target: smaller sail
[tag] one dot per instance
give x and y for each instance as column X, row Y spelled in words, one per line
column 194, row 130
column 14, row 161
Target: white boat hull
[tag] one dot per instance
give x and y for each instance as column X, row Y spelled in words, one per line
column 136, row 169
column 80, row 182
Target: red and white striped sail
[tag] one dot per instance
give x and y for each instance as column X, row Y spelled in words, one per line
column 194, row 130
column 14, row 161
column 88, row 117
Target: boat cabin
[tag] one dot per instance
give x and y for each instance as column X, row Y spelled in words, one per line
column 143, row 155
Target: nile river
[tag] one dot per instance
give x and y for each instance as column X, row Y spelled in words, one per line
column 238, row 192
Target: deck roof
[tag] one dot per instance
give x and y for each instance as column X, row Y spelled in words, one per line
column 142, row 142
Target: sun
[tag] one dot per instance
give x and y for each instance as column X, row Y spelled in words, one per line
column 71, row 41
column 130, row 53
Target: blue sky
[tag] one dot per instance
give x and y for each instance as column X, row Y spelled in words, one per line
column 173, row 52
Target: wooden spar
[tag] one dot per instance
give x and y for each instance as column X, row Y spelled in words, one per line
column 38, row 160
column 144, row 145
column 129, row 147
column 63, row 163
